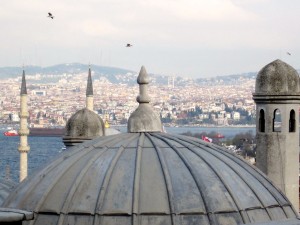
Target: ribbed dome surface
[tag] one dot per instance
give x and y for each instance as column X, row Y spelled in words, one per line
column 277, row 78
column 150, row 178
column 6, row 186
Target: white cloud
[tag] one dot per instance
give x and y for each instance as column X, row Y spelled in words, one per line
column 213, row 10
column 167, row 27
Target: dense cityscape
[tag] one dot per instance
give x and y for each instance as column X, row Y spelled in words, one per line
column 149, row 112
column 210, row 102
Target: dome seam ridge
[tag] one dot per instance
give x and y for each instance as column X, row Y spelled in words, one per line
column 188, row 166
column 167, row 177
column 107, row 178
column 217, row 173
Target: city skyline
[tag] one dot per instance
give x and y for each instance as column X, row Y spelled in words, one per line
column 194, row 38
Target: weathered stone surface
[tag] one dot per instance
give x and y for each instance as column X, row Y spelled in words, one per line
column 6, row 186
column 83, row 125
column 277, row 78
column 144, row 118
column 277, row 152
column 14, row 216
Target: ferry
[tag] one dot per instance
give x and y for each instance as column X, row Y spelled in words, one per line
column 11, row 133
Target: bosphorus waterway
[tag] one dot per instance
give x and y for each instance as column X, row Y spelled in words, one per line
column 44, row 149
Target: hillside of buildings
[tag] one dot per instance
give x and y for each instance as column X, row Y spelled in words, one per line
column 55, row 93
column 114, row 75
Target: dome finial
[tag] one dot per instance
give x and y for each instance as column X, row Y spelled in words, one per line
column 143, row 81
column 144, row 118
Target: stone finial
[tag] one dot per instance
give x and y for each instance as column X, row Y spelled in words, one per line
column 143, row 81
column 144, row 118
column 23, row 85
column 89, row 87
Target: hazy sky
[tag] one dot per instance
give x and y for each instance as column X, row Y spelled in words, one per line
column 193, row 38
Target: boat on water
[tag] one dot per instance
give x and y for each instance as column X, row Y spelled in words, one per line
column 40, row 132
column 219, row 136
column 47, row 131
column 11, row 133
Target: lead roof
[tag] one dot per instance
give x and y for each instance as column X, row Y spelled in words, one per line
column 154, row 178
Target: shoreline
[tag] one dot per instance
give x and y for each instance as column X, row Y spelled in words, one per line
column 196, row 126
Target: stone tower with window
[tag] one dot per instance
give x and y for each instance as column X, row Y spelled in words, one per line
column 277, row 98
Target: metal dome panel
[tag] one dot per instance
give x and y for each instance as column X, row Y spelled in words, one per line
column 150, row 178
column 6, row 186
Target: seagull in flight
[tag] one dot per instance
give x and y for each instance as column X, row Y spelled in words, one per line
column 50, row 15
column 128, row 45
column 288, row 53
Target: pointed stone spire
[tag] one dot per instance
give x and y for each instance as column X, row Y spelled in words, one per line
column 23, row 85
column 89, row 86
column 23, row 131
column 89, row 92
column 144, row 118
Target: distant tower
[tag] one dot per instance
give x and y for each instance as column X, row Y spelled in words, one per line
column 173, row 81
column 23, row 131
column 277, row 96
column 89, row 92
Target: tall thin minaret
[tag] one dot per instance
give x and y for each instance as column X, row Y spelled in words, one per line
column 89, row 93
column 23, row 131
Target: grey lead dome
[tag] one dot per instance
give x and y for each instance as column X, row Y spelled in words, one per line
column 83, row 125
column 277, row 78
column 149, row 179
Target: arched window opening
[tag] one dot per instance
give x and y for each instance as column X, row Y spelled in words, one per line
column 277, row 121
column 292, row 121
column 261, row 121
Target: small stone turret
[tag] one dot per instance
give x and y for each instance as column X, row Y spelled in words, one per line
column 277, row 96
column 85, row 124
column 23, row 131
column 144, row 118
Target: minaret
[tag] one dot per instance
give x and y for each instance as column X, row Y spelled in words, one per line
column 23, row 131
column 277, row 98
column 89, row 93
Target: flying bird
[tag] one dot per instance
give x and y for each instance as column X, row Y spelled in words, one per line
column 288, row 53
column 129, row 45
column 50, row 15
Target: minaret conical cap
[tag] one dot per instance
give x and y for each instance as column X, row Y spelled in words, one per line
column 89, row 87
column 144, row 118
column 23, row 85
